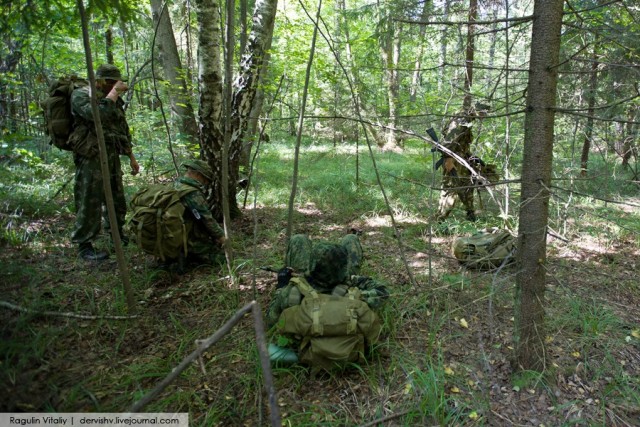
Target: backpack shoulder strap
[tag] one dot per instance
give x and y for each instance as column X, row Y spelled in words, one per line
column 312, row 295
column 305, row 288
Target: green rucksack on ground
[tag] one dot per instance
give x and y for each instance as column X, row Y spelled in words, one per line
column 485, row 250
column 157, row 222
column 58, row 118
column 334, row 330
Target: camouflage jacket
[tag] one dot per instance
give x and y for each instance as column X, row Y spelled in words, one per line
column 114, row 124
column 458, row 136
column 301, row 254
column 198, row 208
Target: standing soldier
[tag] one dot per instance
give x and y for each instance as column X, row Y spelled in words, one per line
column 456, row 178
column 89, row 191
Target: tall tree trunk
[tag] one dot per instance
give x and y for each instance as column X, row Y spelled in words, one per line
column 108, row 44
column 415, row 78
column 210, row 84
column 243, row 25
column 181, row 107
column 591, row 100
column 529, row 333
column 469, row 56
column 245, row 88
column 352, row 69
column 390, row 52
column 631, row 134
column 507, row 105
column 443, row 44
column 256, row 110
column 10, row 56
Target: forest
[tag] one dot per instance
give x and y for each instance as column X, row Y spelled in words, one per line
column 327, row 118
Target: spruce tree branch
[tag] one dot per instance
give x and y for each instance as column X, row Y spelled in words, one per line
column 599, row 6
column 602, row 119
column 602, row 199
column 602, row 107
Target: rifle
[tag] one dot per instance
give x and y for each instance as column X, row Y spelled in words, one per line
column 434, row 137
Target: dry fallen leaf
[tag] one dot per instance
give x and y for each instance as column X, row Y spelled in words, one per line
column 448, row 370
column 576, row 354
column 455, row 389
column 473, row 415
column 464, row 323
column 635, row 333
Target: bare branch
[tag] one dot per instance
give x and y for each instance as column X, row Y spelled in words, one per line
column 204, row 345
column 14, row 307
column 522, row 19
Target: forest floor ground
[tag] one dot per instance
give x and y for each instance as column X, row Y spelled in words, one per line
column 429, row 368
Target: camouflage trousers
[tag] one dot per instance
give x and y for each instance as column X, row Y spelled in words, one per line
column 454, row 188
column 201, row 248
column 90, row 199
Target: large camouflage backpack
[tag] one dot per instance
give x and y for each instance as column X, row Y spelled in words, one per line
column 486, row 249
column 334, row 330
column 157, row 222
column 58, row 118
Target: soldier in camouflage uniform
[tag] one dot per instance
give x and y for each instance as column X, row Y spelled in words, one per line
column 89, row 190
column 206, row 239
column 330, row 268
column 457, row 182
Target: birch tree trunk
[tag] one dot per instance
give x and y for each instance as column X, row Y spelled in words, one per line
column 246, row 86
column 529, row 333
column 256, row 110
column 181, row 107
column 210, row 101
column 211, row 93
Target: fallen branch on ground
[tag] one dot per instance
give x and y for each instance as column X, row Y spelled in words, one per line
column 14, row 307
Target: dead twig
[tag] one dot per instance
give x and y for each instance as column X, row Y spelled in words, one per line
column 14, row 307
column 203, row 345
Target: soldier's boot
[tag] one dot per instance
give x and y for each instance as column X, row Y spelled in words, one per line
column 88, row 253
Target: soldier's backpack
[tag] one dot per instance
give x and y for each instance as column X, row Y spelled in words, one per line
column 58, row 118
column 335, row 330
column 157, row 222
column 485, row 250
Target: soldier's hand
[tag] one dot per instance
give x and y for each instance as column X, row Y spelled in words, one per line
column 135, row 167
column 120, row 87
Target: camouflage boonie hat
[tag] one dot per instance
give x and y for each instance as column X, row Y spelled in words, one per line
column 329, row 264
column 201, row 167
column 109, row 72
